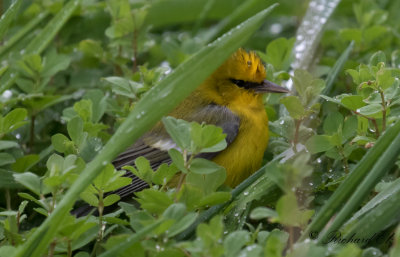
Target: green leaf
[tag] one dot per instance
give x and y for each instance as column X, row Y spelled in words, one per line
column 61, row 143
column 276, row 242
column 208, row 183
column 179, row 130
column 279, row 53
column 371, row 110
column 13, row 120
column 307, row 86
column 262, row 213
column 54, row 63
column 153, row 201
column 99, row 103
column 30, row 181
column 384, row 78
column 91, row 48
column 84, row 109
column 8, row 144
column 177, row 159
column 111, row 199
column 351, row 35
column 175, row 211
column 352, row 102
column 203, row 166
column 6, row 158
column 144, row 169
column 122, row 86
column 164, row 174
column 7, row 180
column 333, row 123
column 90, row 198
column 75, row 130
column 319, row 143
column 289, row 213
column 209, row 138
column 25, row 162
column 294, row 107
column 235, row 241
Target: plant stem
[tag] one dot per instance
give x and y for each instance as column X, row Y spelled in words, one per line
column 345, row 162
column 373, row 122
column 296, row 134
column 32, row 133
column 383, row 110
column 52, row 248
column 69, row 249
column 134, row 43
column 100, row 233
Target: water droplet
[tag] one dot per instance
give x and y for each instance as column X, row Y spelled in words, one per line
column 276, row 28
column 22, row 52
column 246, row 193
column 104, row 163
column 7, row 94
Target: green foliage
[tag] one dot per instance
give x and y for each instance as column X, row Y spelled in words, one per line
column 74, row 73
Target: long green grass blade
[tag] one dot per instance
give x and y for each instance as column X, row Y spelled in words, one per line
column 8, row 16
column 346, row 189
column 383, row 164
column 381, row 217
column 337, row 68
column 378, row 199
column 166, row 95
column 22, row 32
column 42, row 40
column 230, row 20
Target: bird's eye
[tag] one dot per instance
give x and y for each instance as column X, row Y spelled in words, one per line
column 242, row 83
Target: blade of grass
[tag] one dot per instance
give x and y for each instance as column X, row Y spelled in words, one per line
column 381, row 167
column 43, row 39
column 22, row 32
column 378, row 199
column 8, row 16
column 199, row 22
column 337, row 68
column 229, row 21
column 379, row 218
column 167, row 94
column 347, row 187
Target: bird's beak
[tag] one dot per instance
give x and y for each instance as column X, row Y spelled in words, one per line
column 269, row 87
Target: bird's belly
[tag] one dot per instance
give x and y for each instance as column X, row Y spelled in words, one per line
column 245, row 154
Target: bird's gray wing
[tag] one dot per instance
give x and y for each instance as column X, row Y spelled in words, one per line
column 156, row 149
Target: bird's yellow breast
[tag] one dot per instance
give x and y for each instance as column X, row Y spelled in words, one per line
column 245, row 154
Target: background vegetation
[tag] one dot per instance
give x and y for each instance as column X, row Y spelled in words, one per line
column 81, row 80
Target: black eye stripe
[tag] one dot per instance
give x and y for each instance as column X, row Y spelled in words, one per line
column 244, row 84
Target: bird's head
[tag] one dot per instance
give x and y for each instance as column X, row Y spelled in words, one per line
column 245, row 73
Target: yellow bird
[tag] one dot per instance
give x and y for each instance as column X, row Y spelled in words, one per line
column 230, row 98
